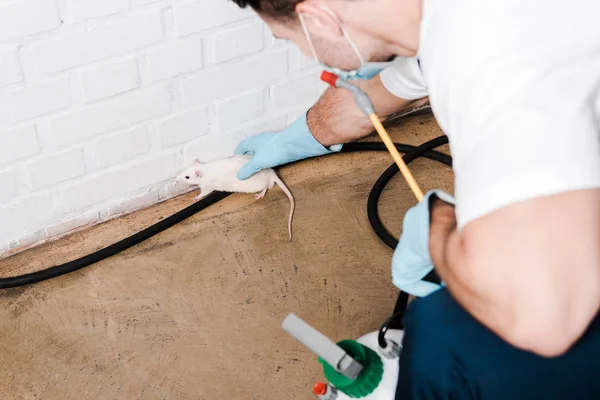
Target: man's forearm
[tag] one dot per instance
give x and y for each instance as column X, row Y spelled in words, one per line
column 335, row 119
column 540, row 299
column 448, row 254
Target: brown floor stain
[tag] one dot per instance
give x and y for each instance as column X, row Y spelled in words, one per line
column 196, row 312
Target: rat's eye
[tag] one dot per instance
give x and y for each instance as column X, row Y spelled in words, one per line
column 187, row 177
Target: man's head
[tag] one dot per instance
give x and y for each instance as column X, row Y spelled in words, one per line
column 373, row 25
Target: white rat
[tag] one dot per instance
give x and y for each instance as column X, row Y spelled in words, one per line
column 221, row 175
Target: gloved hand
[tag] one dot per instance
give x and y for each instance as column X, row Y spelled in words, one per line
column 271, row 149
column 411, row 261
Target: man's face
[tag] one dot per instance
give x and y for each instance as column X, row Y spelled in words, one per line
column 332, row 49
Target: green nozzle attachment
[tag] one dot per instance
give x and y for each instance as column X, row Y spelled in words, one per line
column 369, row 378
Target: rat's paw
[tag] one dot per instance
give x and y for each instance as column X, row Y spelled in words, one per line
column 259, row 196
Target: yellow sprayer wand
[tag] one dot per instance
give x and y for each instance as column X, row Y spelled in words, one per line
column 364, row 103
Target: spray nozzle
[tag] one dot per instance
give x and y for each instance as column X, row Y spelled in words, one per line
column 364, row 103
column 360, row 97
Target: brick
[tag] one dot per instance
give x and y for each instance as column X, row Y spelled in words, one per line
column 136, row 3
column 111, row 39
column 275, row 124
column 122, row 146
column 56, row 168
column 117, row 183
column 184, row 127
column 238, row 42
column 40, row 99
column 183, row 56
column 200, row 15
column 9, row 187
column 23, row 217
column 135, row 203
column 6, row 115
column 240, row 109
column 80, row 10
column 233, row 78
column 30, row 239
column 18, row 143
column 110, row 79
column 27, row 17
column 88, row 218
column 10, row 67
column 111, row 115
column 233, row 138
column 212, row 147
column 294, row 92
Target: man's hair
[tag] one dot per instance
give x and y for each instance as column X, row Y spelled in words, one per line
column 281, row 9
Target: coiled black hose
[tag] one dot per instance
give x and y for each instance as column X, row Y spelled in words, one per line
column 412, row 153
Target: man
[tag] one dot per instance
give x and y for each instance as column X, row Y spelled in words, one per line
column 516, row 87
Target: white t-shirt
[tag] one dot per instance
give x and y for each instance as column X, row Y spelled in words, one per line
column 404, row 79
column 516, row 87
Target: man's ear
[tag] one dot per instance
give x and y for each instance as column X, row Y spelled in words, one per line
column 319, row 18
column 198, row 173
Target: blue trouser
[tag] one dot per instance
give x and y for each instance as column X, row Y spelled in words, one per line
column 447, row 354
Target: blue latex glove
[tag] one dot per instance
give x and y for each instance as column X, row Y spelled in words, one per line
column 271, row 149
column 411, row 261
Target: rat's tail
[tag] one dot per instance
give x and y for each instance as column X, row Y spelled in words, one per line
column 290, row 196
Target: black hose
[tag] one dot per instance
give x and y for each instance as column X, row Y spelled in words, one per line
column 122, row 245
column 387, row 324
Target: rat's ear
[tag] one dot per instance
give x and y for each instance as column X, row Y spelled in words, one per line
column 198, row 174
column 197, row 161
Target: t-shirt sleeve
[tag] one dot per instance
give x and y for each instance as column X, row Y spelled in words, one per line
column 526, row 152
column 404, row 79
column 522, row 115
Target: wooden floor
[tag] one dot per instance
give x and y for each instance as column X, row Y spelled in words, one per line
column 196, row 312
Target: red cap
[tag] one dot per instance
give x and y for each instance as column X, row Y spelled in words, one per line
column 330, row 78
column 320, row 388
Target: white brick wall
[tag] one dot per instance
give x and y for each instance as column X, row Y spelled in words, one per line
column 111, row 115
column 80, row 10
column 184, row 127
column 238, row 42
column 56, row 168
column 240, row 109
column 10, row 68
column 182, row 56
column 102, row 102
column 84, row 45
column 122, row 146
column 40, row 99
column 299, row 90
column 232, row 78
column 110, row 79
column 27, row 17
column 197, row 16
column 18, row 143
column 9, row 182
